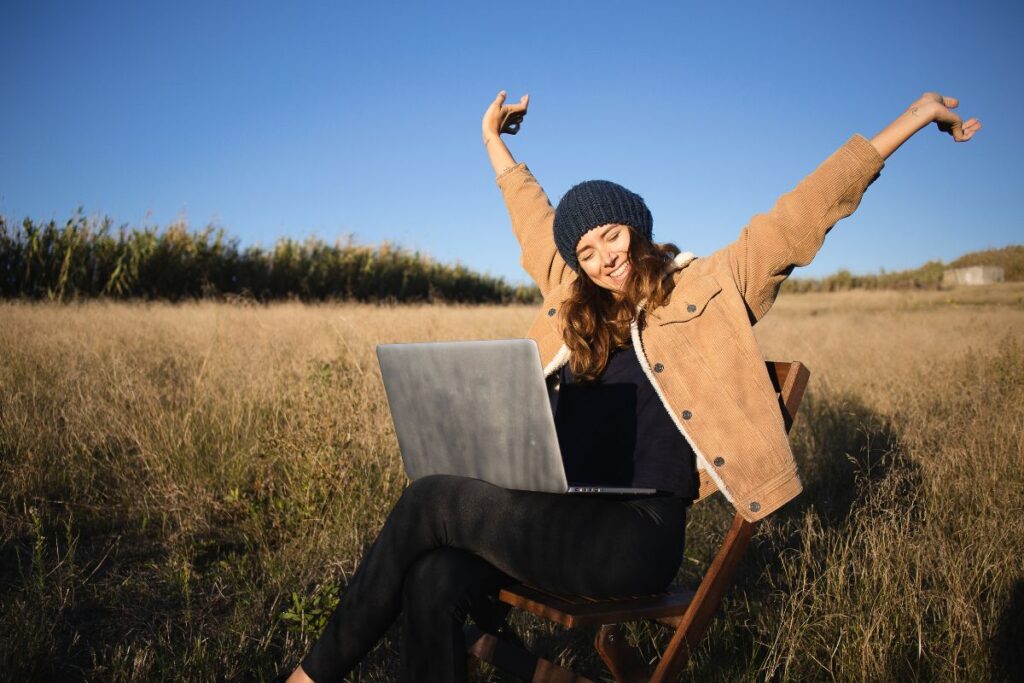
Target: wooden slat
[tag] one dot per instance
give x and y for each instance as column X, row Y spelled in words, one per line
column 777, row 371
column 793, row 390
column 575, row 610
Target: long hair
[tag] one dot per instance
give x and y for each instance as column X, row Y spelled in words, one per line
column 596, row 321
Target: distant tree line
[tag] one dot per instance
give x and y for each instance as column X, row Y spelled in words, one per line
column 928, row 276
column 88, row 258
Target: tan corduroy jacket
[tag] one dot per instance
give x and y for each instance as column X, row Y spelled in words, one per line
column 699, row 349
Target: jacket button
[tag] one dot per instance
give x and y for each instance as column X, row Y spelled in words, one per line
column 551, row 312
column 658, row 367
column 691, row 308
column 687, row 414
column 755, row 506
column 719, row 461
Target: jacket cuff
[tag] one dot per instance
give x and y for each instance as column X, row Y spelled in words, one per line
column 520, row 167
column 864, row 154
column 769, row 497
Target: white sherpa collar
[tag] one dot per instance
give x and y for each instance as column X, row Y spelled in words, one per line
column 681, row 260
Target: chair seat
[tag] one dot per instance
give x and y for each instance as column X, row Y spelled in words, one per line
column 579, row 610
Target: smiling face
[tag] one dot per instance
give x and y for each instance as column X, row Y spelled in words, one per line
column 604, row 255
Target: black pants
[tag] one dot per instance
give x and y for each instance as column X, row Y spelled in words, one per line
column 450, row 542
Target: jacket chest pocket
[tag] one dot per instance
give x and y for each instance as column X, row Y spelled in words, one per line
column 690, row 303
column 700, row 323
column 697, row 319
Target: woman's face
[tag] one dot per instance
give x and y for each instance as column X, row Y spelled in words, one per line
column 604, row 255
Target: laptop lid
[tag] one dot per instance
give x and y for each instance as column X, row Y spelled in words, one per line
column 476, row 409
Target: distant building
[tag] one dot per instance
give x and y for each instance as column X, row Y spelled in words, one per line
column 973, row 275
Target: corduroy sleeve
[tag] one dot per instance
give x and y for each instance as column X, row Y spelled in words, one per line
column 533, row 225
column 793, row 231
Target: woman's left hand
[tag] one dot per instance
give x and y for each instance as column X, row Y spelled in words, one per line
column 503, row 118
column 939, row 109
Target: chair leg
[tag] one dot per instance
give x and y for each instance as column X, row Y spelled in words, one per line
column 509, row 657
column 618, row 656
column 705, row 602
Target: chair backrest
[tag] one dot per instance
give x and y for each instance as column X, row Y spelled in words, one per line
column 790, row 380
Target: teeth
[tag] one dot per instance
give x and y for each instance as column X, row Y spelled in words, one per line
column 620, row 270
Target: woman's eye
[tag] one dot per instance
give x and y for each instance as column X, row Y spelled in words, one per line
column 614, row 236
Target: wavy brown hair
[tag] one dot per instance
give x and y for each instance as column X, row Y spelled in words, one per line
column 596, row 321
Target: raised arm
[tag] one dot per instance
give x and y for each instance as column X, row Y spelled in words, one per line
column 793, row 231
column 528, row 205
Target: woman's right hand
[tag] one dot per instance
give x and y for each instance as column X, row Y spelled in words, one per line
column 503, row 118
column 940, row 109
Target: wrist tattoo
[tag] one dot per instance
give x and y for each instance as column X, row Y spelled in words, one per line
column 913, row 111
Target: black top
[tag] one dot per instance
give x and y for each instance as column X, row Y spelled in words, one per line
column 616, row 431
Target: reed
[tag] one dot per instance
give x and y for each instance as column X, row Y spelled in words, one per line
column 88, row 258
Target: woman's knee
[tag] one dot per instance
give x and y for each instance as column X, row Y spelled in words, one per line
column 429, row 489
column 450, row 579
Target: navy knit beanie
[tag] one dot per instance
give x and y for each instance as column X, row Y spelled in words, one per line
column 593, row 203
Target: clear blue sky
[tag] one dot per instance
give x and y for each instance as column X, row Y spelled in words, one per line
column 275, row 119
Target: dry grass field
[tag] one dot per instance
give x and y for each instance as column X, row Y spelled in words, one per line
column 184, row 489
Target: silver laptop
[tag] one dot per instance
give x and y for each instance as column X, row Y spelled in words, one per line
column 478, row 409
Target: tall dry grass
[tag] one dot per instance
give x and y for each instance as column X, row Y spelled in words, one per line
column 175, row 479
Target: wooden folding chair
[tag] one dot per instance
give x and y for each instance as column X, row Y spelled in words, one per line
column 688, row 612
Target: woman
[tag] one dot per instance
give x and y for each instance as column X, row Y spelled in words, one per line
column 658, row 383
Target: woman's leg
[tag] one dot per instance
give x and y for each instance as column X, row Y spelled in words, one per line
column 441, row 589
column 595, row 545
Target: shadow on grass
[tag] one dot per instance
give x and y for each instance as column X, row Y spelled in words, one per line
column 88, row 582
column 843, row 450
column 1007, row 654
